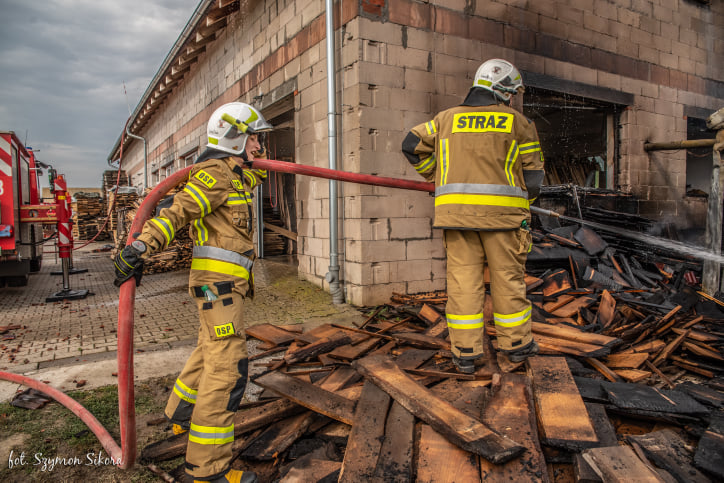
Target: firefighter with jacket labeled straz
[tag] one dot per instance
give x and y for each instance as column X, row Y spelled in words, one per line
column 487, row 164
column 217, row 201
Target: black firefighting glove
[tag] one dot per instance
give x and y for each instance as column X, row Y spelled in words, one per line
column 129, row 264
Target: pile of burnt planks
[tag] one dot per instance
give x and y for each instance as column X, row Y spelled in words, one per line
column 383, row 402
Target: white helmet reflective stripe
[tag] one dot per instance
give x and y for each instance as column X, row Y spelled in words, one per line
column 500, row 77
column 230, row 125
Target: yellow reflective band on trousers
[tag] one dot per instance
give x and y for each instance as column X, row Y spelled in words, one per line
column 164, row 224
column 220, row 267
column 478, row 200
column 211, row 435
column 513, row 320
column 185, row 392
column 474, row 321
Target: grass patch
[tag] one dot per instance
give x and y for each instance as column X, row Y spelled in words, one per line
column 54, row 431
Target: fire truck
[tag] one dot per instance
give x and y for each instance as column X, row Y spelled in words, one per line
column 20, row 239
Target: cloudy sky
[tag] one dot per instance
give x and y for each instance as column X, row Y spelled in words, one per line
column 63, row 64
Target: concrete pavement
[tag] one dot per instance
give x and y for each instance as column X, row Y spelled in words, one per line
column 65, row 341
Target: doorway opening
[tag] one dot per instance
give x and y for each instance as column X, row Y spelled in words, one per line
column 278, row 192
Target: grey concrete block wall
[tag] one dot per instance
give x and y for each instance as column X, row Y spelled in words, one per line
column 401, row 61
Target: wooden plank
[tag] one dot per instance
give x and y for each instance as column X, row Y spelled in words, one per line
column 564, row 346
column 339, row 379
column 562, row 415
column 709, row 454
column 270, row 333
column 606, row 309
column 670, row 347
column 438, row 460
column 633, row 375
column 601, row 367
column 602, row 424
column 511, row 412
column 365, row 439
column 692, row 366
column 619, row 464
column 437, row 330
column 245, row 420
column 282, row 231
column 640, row 397
column 697, row 335
column 650, row 347
column 701, row 351
column 351, row 352
column 556, row 283
column 278, row 437
column 395, row 462
column 667, row 450
column 305, row 394
column 422, row 341
column 312, row 469
column 562, row 300
column 702, row 393
column 316, row 348
column 414, row 358
column 429, row 315
column 459, row 428
column 625, row 361
column 571, row 309
column 571, row 333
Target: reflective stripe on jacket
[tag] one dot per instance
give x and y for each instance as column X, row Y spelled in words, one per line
column 486, row 162
column 216, row 200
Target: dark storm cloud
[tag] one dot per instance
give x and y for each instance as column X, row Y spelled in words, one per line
column 63, row 64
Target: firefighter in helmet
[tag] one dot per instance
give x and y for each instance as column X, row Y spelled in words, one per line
column 487, row 164
column 217, row 202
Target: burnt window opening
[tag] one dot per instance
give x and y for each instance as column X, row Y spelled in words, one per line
column 698, row 160
column 577, row 137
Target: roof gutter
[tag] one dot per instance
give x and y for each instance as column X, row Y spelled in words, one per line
column 201, row 10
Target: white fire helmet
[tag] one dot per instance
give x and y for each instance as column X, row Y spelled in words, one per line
column 230, row 125
column 500, row 77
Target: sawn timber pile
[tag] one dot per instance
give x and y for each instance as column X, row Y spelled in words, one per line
column 383, row 402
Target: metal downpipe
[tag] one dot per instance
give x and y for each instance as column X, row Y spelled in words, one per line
column 145, row 157
column 335, row 287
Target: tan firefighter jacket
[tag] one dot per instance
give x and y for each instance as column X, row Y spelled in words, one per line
column 216, row 200
column 486, row 162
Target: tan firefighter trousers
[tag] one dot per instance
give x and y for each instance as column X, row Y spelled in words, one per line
column 505, row 253
column 209, row 389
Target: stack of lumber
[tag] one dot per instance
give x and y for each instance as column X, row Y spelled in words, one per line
column 111, row 179
column 177, row 256
column 123, row 201
column 88, row 216
column 383, row 402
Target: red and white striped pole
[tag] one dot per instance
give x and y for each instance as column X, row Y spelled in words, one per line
column 65, row 234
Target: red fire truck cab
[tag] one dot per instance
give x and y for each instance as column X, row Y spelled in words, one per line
column 20, row 249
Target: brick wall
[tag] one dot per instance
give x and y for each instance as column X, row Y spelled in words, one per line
column 401, row 61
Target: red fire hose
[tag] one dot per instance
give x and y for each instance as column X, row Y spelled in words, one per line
column 125, row 456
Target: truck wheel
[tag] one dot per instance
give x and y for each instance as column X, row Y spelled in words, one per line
column 19, row 281
column 35, row 264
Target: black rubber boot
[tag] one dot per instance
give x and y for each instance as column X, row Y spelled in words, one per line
column 522, row 353
column 464, row 366
column 235, row 476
